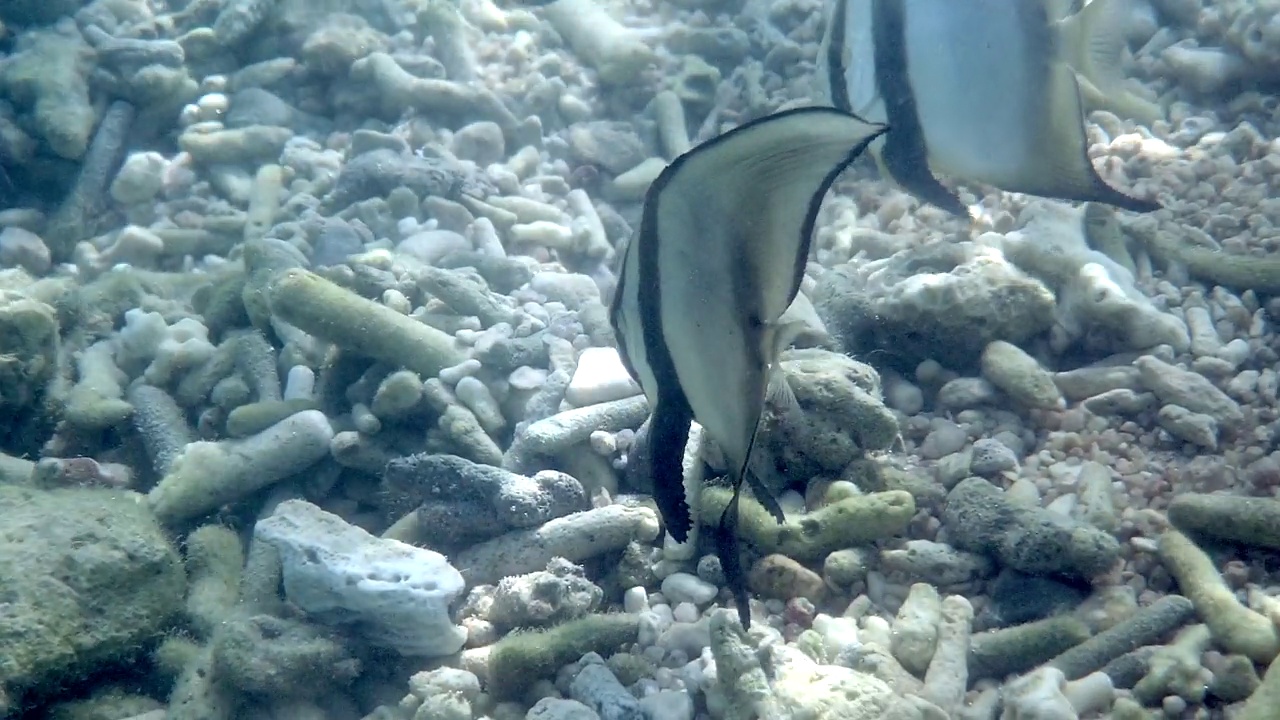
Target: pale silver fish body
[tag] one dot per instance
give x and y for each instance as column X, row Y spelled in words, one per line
column 989, row 96
column 970, row 93
column 698, row 313
column 727, row 229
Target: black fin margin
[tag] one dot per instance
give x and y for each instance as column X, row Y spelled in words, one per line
column 668, row 434
column 1109, row 195
column 907, row 161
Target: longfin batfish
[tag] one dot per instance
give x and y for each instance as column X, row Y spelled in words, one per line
column 985, row 91
column 717, row 259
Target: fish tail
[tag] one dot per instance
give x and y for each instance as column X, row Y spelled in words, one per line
column 1093, row 44
column 731, row 558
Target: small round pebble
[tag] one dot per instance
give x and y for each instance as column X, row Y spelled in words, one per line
column 685, row 612
column 710, row 570
column 945, row 438
column 683, row 587
column 991, row 457
column 635, row 600
column 481, row 142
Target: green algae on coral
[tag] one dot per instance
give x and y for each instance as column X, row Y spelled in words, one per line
column 847, row 523
column 521, row 658
column 333, row 313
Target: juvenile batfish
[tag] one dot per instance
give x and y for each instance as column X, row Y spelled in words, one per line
column 985, row 91
column 718, row 258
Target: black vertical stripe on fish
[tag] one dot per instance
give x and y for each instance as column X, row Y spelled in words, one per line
column 668, row 434
column 671, row 417
column 905, row 153
column 837, row 70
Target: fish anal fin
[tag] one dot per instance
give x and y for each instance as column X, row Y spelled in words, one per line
column 1065, row 171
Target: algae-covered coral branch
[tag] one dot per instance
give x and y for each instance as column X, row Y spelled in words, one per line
column 845, row 523
column 353, row 323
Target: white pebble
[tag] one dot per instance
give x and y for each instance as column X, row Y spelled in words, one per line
column 600, row 377
column 140, row 178
column 603, row 443
column 466, row 368
column 668, row 705
column 213, row 106
column 635, row 600
column 365, row 421
column 683, row 587
column 397, row 301
column 685, row 612
column 527, row 378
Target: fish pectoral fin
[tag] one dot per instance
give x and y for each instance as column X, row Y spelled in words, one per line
column 877, row 154
column 784, row 334
column 1065, row 171
column 778, row 393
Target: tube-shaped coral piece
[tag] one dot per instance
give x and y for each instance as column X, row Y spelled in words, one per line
column 947, row 678
column 75, row 217
column 96, row 401
column 673, row 129
column 1144, row 627
column 215, row 558
column 441, row 19
column 1235, row 627
column 161, row 425
column 337, row 315
column 615, row 51
column 209, row 474
column 256, row 360
column 264, row 201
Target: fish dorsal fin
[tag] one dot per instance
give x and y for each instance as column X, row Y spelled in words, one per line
column 1092, row 42
column 762, row 183
column 1065, row 170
